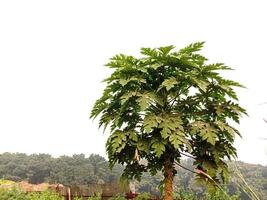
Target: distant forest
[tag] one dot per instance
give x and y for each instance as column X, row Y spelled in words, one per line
column 82, row 170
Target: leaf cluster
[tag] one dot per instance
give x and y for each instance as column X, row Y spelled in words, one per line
column 165, row 104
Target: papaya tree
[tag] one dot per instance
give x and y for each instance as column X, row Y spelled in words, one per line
column 167, row 104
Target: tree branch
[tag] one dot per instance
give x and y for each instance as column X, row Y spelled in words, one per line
column 189, row 156
column 178, row 94
column 185, row 168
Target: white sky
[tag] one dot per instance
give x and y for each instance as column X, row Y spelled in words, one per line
column 52, row 55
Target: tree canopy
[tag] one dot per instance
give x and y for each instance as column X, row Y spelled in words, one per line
column 167, row 104
column 68, row 170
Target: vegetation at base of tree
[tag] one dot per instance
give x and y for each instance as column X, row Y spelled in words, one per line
column 167, row 104
column 143, row 196
column 254, row 176
column 31, row 166
column 16, row 194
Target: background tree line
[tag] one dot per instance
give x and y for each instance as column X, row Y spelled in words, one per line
column 67, row 170
column 82, row 170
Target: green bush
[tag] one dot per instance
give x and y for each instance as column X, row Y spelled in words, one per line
column 46, row 195
column 17, row 194
column 220, row 195
column 118, row 197
column 215, row 195
column 96, row 197
column 143, row 196
column 77, row 198
column 185, row 195
column 12, row 194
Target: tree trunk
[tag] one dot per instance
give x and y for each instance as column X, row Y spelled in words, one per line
column 168, row 180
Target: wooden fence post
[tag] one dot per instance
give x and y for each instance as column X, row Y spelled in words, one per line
column 69, row 194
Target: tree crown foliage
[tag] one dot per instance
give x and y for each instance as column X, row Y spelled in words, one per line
column 67, row 170
column 166, row 104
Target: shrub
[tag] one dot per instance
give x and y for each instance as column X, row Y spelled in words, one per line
column 185, row 195
column 143, row 196
column 17, row 194
column 46, row 195
column 118, row 197
column 96, row 197
column 12, row 194
column 220, row 195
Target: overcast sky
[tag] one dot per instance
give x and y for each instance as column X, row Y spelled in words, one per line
column 52, row 55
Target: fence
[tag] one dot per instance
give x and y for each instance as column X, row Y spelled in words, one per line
column 105, row 190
